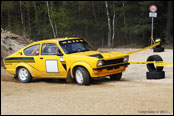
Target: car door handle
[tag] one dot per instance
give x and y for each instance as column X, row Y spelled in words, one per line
column 41, row 57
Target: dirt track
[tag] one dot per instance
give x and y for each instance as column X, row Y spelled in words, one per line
column 132, row 95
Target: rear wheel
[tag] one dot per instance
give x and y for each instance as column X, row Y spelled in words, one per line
column 82, row 76
column 24, row 75
column 116, row 76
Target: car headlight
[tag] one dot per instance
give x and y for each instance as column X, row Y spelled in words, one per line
column 100, row 63
column 126, row 58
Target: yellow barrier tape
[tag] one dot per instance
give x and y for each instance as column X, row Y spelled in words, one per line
column 143, row 48
column 152, row 39
column 158, row 63
column 165, row 64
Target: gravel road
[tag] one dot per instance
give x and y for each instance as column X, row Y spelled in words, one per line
column 133, row 94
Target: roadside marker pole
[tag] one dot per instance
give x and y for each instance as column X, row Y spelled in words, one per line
column 152, row 13
column 152, row 32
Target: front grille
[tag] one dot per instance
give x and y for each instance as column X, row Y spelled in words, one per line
column 115, row 61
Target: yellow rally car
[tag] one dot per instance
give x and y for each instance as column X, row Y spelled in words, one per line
column 64, row 58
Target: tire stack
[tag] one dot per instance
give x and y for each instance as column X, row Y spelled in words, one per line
column 155, row 72
column 158, row 48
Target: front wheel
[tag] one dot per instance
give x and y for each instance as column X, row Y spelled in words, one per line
column 24, row 75
column 82, row 76
column 116, row 76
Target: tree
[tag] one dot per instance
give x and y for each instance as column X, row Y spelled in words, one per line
column 169, row 26
column 106, row 24
column 109, row 24
column 54, row 34
column 22, row 19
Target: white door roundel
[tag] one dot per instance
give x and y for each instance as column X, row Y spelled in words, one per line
column 52, row 66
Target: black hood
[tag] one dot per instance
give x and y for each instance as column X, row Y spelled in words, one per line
column 96, row 55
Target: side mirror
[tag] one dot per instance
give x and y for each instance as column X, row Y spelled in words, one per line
column 59, row 54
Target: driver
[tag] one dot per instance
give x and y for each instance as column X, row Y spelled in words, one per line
column 54, row 50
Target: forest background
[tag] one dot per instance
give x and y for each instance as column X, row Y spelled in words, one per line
column 103, row 23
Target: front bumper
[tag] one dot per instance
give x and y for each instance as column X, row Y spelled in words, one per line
column 109, row 70
column 111, row 67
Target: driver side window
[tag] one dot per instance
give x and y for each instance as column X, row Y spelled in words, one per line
column 50, row 49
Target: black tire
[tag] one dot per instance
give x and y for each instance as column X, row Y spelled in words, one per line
column 116, row 76
column 84, row 78
column 158, row 46
column 24, row 78
column 155, row 75
column 158, row 49
column 151, row 67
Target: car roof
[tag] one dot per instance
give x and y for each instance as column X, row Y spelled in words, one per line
column 55, row 40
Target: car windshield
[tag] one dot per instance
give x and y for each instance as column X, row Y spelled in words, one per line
column 75, row 45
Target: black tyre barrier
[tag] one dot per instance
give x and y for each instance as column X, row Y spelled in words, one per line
column 158, row 49
column 155, row 75
column 158, row 46
column 151, row 67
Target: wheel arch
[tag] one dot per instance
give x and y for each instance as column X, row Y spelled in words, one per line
column 80, row 64
column 29, row 68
